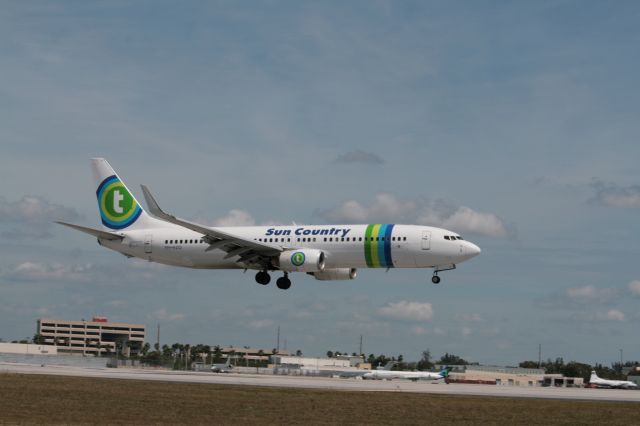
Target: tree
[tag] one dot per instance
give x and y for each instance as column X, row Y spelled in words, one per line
column 329, row 354
column 451, row 359
column 217, row 354
column 529, row 364
column 38, row 339
column 425, row 362
column 145, row 349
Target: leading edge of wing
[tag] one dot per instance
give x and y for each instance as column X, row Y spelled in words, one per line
column 212, row 233
column 95, row 232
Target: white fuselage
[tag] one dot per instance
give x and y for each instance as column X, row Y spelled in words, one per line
column 344, row 246
column 606, row 383
column 409, row 375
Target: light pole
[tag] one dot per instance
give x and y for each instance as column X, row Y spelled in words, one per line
column 621, row 360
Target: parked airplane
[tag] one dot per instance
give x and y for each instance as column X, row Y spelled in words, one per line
column 606, row 383
column 327, row 252
column 409, row 375
column 222, row 368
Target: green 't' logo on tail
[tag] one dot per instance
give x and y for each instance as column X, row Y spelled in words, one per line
column 118, row 208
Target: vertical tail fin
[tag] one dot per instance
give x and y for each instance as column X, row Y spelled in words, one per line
column 118, row 208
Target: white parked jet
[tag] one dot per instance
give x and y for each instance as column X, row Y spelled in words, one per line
column 327, row 252
column 606, row 383
column 409, row 375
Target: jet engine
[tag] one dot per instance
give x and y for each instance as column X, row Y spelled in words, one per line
column 335, row 274
column 303, row 260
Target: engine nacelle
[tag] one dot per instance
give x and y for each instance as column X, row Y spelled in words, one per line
column 303, row 260
column 335, row 274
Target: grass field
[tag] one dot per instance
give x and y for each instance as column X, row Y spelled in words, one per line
column 39, row 399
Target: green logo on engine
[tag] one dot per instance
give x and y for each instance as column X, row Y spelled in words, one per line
column 298, row 258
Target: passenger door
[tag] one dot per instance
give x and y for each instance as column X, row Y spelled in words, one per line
column 426, row 240
column 147, row 243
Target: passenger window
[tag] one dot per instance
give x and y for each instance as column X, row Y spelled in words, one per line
column 314, row 239
column 331, row 239
column 342, row 239
column 359, row 238
column 404, row 239
column 325, row 239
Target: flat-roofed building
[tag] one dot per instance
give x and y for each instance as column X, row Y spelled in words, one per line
column 96, row 337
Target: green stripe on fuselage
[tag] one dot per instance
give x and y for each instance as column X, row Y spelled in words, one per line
column 367, row 246
column 375, row 234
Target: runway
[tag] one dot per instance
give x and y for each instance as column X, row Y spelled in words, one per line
column 324, row 383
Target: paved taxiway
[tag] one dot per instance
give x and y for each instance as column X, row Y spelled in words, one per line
column 329, row 383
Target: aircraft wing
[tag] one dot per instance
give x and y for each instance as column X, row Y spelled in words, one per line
column 95, row 232
column 250, row 251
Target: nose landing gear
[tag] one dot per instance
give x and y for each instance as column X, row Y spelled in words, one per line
column 435, row 278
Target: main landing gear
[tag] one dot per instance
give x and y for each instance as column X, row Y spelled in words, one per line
column 264, row 278
column 283, row 283
column 435, row 278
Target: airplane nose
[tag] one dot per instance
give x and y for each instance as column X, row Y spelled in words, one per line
column 472, row 250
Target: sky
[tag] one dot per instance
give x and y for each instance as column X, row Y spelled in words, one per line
column 512, row 123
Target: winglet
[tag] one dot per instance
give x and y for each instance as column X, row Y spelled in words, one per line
column 152, row 205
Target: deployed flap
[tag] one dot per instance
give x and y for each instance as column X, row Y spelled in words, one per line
column 218, row 239
column 95, row 232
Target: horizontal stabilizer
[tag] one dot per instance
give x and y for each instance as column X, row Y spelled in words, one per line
column 95, row 232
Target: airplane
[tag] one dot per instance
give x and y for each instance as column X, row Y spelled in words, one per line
column 596, row 381
column 326, row 252
column 409, row 375
column 222, row 368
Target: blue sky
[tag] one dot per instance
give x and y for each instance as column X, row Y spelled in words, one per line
column 512, row 123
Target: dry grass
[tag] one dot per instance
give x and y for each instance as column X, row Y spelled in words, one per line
column 36, row 399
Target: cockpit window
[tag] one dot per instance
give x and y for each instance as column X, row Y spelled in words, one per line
column 446, row 237
column 459, row 237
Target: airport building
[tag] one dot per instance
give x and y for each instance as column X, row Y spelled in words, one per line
column 249, row 353
column 510, row 376
column 96, row 337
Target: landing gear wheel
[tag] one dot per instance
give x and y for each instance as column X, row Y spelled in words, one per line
column 263, row 278
column 435, row 279
column 283, row 283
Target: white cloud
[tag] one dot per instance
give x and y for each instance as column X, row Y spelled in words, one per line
column 609, row 194
column 582, row 294
column 261, row 324
column 466, row 331
column 420, row 331
column 33, row 271
column 590, row 294
column 634, row 288
column 470, row 317
column 407, row 311
column 235, row 217
column 163, row 315
column 611, row 315
column 387, row 207
column 32, row 216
